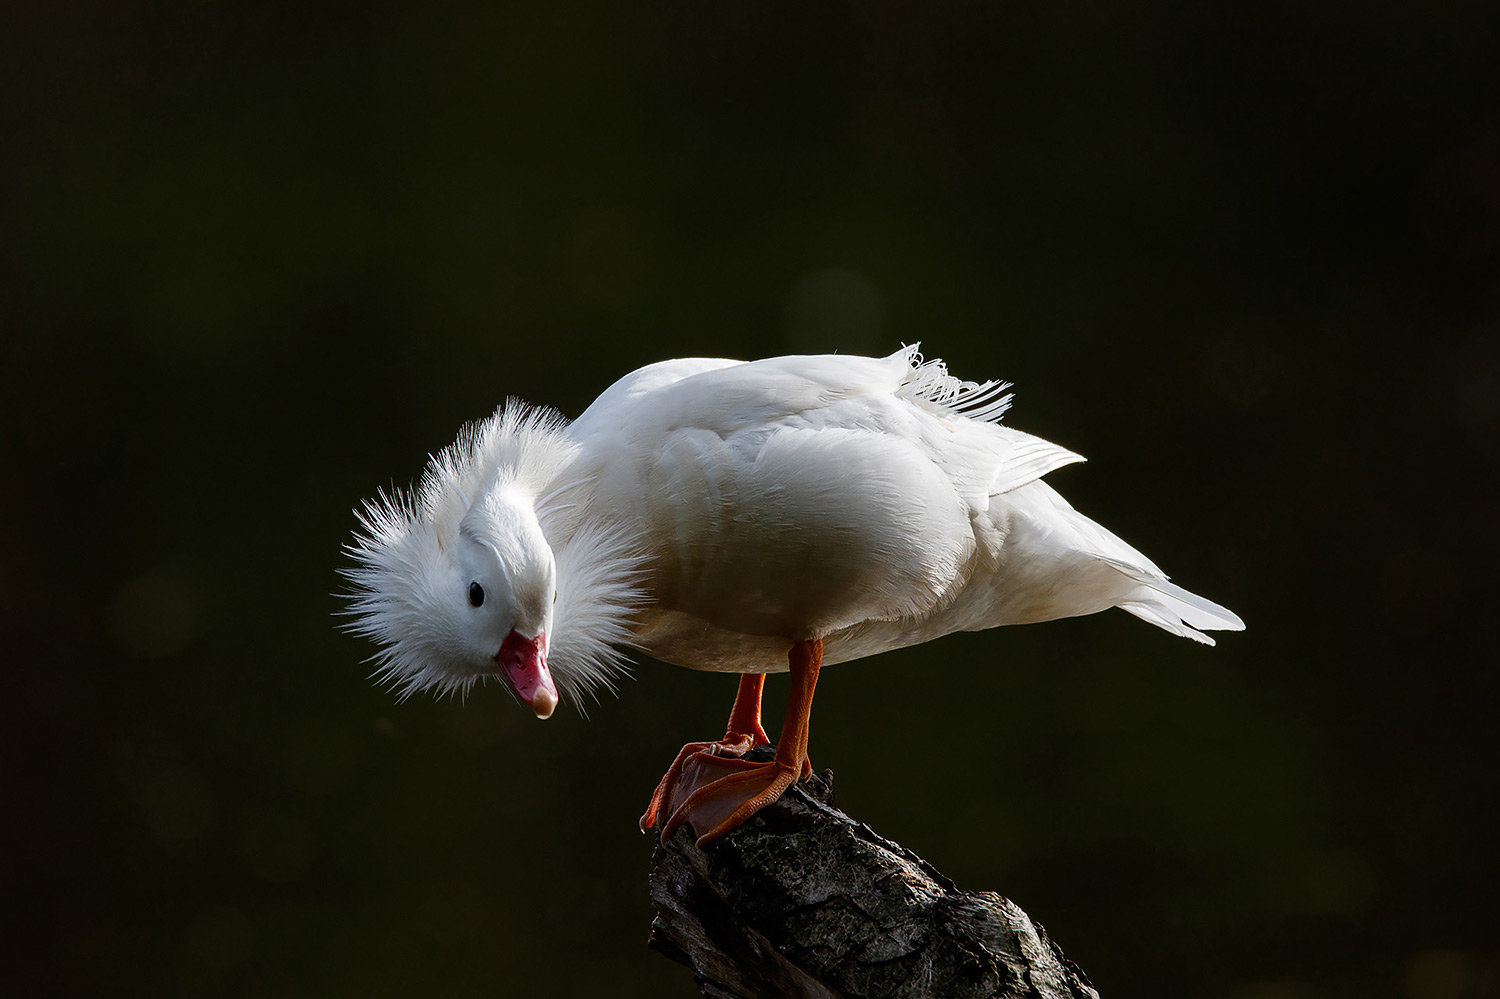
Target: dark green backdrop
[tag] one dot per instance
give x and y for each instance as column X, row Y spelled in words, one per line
column 257, row 264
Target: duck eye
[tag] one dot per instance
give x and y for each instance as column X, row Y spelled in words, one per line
column 476, row 595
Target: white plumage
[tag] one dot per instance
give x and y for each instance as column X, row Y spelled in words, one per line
column 712, row 512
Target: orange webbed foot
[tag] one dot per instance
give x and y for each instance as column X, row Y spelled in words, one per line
column 667, row 787
column 711, row 787
column 717, row 794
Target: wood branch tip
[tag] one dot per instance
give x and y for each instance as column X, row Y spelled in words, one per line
column 804, row 901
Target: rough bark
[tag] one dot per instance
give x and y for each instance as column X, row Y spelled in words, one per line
column 803, row 901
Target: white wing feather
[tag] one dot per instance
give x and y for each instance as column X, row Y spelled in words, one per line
column 873, row 502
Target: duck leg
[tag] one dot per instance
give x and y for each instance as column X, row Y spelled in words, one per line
column 715, row 793
column 742, row 734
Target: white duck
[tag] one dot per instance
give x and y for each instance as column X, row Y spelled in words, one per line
column 742, row 518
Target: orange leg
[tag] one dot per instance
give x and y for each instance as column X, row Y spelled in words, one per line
column 715, row 793
column 742, row 734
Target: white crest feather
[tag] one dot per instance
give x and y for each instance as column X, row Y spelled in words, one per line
column 402, row 560
column 598, row 589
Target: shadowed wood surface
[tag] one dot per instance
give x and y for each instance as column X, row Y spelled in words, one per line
column 803, row 901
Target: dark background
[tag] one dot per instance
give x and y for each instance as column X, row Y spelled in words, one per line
column 258, row 263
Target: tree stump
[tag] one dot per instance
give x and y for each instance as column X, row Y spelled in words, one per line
column 803, row 901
